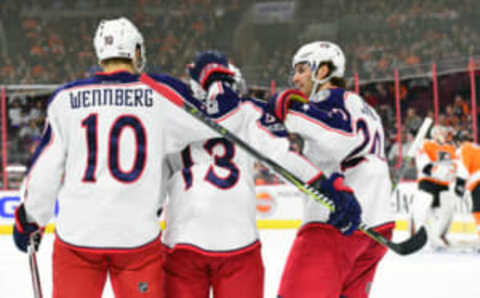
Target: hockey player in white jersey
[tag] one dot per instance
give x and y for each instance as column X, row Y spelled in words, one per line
column 341, row 133
column 211, row 236
column 102, row 156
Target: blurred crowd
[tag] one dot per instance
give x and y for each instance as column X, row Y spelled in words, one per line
column 46, row 49
column 47, row 44
column 378, row 36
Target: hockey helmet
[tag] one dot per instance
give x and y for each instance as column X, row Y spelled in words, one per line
column 318, row 52
column 119, row 38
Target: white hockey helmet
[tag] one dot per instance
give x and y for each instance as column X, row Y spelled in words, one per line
column 318, row 52
column 119, row 38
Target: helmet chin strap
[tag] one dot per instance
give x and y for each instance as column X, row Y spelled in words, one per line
column 139, row 65
column 317, row 83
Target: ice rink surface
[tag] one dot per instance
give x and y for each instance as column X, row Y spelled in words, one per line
column 422, row 275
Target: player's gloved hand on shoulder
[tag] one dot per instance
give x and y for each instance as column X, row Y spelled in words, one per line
column 347, row 214
column 209, row 67
column 279, row 103
column 24, row 231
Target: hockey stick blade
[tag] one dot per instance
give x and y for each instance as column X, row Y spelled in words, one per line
column 406, row 247
column 402, row 248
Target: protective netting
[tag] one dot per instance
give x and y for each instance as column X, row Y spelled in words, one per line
column 25, row 112
column 25, row 117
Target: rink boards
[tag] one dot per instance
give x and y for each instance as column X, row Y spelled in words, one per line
column 281, row 207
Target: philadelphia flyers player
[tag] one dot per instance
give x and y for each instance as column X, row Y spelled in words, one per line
column 434, row 202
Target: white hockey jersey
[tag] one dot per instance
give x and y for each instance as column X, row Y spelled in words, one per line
column 102, row 156
column 212, row 199
column 343, row 133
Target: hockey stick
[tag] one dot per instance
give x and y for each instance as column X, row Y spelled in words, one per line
column 32, row 260
column 414, row 243
column 422, row 132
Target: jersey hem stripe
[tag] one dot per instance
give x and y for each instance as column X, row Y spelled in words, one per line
column 90, row 249
column 213, row 253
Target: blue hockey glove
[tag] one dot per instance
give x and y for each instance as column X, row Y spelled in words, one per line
column 279, row 103
column 347, row 214
column 210, row 66
column 24, row 232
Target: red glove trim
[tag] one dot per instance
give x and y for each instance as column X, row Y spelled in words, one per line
column 282, row 102
column 212, row 68
column 317, row 176
column 18, row 224
column 338, row 185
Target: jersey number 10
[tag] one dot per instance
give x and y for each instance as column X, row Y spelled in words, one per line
column 124, row 121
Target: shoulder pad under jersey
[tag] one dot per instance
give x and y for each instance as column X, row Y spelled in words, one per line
column 328, row 108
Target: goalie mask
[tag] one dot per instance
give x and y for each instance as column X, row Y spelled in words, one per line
column 119, row 38
column 318, row 52
column 439, row 133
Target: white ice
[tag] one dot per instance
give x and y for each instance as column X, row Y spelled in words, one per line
column 423, row 275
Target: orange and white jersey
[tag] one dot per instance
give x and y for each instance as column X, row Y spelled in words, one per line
column 468, row 164
column 432, row 152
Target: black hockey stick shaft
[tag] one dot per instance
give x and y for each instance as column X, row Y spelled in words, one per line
column 32, row 261
column 413, row 244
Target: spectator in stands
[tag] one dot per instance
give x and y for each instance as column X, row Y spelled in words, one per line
column 460, row 108
column 394, row 154
column 37, row 112
column 30, row 131
column 15, row 115
column 450, row 118
column 412, row 120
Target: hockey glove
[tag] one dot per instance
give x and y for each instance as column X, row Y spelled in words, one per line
column 347, row 214
column 210, row 66
column 24, row 232
column 279, row 104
